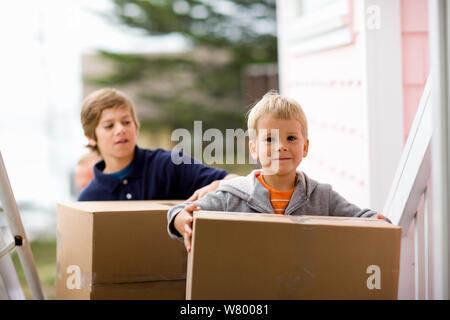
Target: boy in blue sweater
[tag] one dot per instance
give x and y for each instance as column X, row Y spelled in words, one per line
column 128, row 172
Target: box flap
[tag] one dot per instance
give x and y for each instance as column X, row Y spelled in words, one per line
column 119, row 206
column 302, row 219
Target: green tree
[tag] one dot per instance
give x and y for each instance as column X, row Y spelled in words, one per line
column 245, row 27
column 243, row 30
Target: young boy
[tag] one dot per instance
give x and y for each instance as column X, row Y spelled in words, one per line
column 128, row 172
column 278, row 133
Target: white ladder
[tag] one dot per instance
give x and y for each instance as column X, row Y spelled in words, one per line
column 10, row 284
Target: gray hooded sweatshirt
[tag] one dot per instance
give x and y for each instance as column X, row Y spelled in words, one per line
column 247, row 194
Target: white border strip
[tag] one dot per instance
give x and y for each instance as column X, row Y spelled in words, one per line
column 439, row 16
column 410, row 180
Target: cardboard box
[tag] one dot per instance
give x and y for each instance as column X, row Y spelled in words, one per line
column 120, row 247
column 266, row 256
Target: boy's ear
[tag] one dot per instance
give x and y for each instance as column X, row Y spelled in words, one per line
column 252, row 148
column 305, row 148
column 91, row 141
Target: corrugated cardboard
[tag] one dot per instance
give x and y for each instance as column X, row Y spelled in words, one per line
column 153, row 290
column 117, row 245
column 266, row 256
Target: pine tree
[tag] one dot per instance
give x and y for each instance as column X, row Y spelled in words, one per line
column 243, row 30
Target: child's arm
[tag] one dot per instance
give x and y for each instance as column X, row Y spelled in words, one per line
column 339, row 206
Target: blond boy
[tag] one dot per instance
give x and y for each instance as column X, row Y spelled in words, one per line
column 128, row 172
column 278, row 133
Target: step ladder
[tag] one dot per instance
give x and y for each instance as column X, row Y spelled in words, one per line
column 9, row 284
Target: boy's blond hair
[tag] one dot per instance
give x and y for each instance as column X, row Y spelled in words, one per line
column 95, row 103
column 278, row 106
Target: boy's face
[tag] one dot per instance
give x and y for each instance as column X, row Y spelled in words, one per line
column 116, row 133
column 279, row 146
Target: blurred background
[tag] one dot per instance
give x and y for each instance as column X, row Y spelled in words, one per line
column 179, row 61
column 357, row 67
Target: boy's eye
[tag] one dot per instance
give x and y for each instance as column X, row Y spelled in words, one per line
column 126, row 122
column 292, row 138
column 109, row 126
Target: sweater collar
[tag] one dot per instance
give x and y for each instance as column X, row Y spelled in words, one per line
column 260, row 196
column 257, row 196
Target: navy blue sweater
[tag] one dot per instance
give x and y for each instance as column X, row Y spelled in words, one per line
column 152, row 176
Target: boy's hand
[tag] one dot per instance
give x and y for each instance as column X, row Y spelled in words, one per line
column 183, row 224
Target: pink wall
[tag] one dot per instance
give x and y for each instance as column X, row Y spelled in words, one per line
column 414, row 24
column 327, row 83
column 328, row 86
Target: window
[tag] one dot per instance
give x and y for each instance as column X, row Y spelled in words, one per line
column 306, row 7
column 319, row 24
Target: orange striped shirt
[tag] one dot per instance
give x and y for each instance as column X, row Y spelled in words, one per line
column 278, row 199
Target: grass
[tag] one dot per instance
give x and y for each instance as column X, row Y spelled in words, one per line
column 44, row 254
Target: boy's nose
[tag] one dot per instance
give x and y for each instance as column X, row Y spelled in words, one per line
column 120, row 128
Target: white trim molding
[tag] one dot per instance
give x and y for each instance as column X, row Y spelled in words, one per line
column 414, row 169
column 439, row 23
column 325, row 28
column 383, row 95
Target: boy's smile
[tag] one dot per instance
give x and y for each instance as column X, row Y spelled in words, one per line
column 280, row 146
